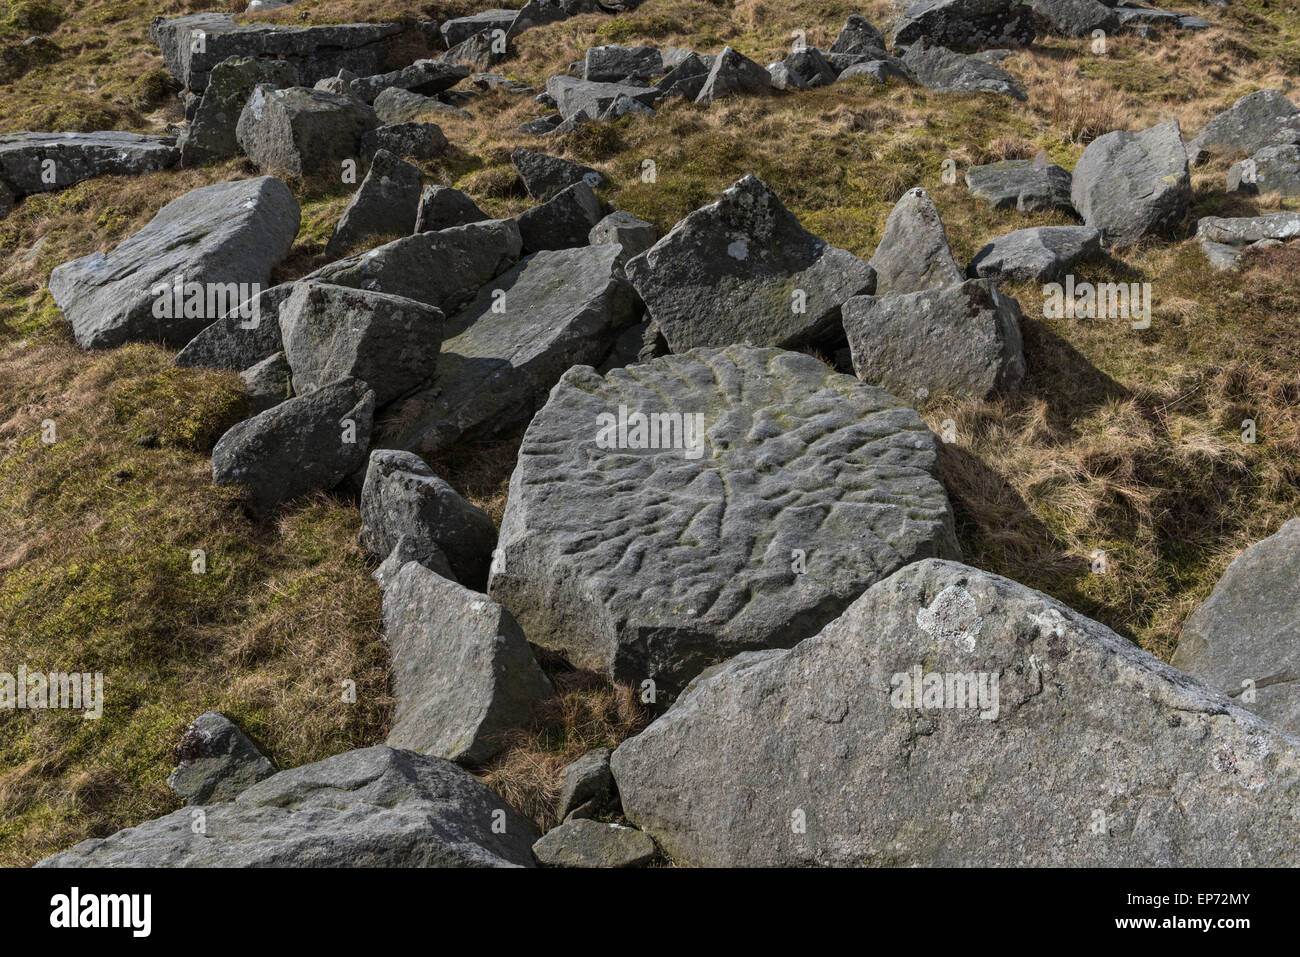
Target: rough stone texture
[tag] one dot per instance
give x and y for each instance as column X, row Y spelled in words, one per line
column 634, row 235
column 375, row 807
column 536, row 13
column 242, row 337
column 403, row 500
column 408, row 550
column 385, row 203
column 1274, row 169
column 480, row 51
column 653, row 562
column 442, row 207
column 811, row 67
column 395, row 105
column 543, row 176
column 463, row 673
column 505, row 351
column 220, row 236
column 444, row 269
column 1238, row 231
column 301, row 131
column 960, row 340
column 584, row 843
column 212, row 132
column 1088, row 729
column 914, row 254
column 1130, row 185
column 732, row 271
column 1221, row 256
column 299, row 446
column 1246, row 636
column 332, row 332
column 1248, row 125
column 563, row 221
column 457, row 31
column 882, row 71
column 606, row 64
column 217, row 762
column 1041, row 254
column 426, row 77
column 586, row 783
column 574, row 96
column 1076, row 18
column 944, row 71
column 783, row 78
column 317, row 52
column 267, row 383
column 967, row 25
column 79, row 156
column 686, row 78
column 623, row 105
column 733, row 73
column 859, row 36
column 1029, row 187
column 421, row 141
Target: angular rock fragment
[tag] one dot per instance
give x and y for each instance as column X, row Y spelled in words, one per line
column 1238, row 231
column 385, row 204
column 914, row 254
column 243, row 337
column 425, row 77
column 1029, row 187
column 586, row 784
column 967, row 25
column 733, row 73
column 563, row 221
column 301, row 131
column 634, row 235
column 217, row 762
column 394, row 106
column 1130, row 185
column 267, row 383
column 574, row 96
column 544, row 176
column 442, row 207
column 43, row 162
column 859, row 36
column 1272, row 170
column 213, row 130
column 1042, row 254
column 421, row 141
column 611, row 64
column 585, row 843
column 944, row 71
column 1248, row 125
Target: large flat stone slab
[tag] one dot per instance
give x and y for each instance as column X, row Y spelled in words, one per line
column 44, row 162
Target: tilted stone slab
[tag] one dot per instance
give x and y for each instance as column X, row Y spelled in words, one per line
column 914, row 254
column 780, row 492
column 44, row 162
column 1092, row 752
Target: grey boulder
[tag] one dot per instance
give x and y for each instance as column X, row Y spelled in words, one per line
column 463, row 674
column 575, row 96
column 220, row 241
column 1087, row 751
column 543, row 176
column 961, row 341
column 305, row 444
column 586, row 786
column 1272, row 170
column 563, row 221
column 1022, row 185
column 743, row 269
column 914, row 254
column 442, row 207
column 335, row 332
column 44, row 162
column 375, row 807
column 242, row 337
column 605, row 64
column 1131, row 185
column 1041, row 254
column 402, row 501
column 1076, row 18
column 766, row 493
column 1248, row 125
column 421, row 141
column 1245, row 638
column 395, row 105
column 585, row 843
column 1242, row 230
column 633, row 235
column 217, row 762
column 385, row 204
column 967, row 25
column 212, row 132
column 426, row 77
column 733, row 73
column 859, row 36
column 267, row 383
column 300, row 130
column 945, row 71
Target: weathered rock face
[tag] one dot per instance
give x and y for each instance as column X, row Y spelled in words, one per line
column 960, row 340
column 830, row 734
column 587, row 786
column 505, row 351
column 457, row 31
column 1130, row 185
column 420, row 141
column 317, row 52
column 463, row 673
column 944, row 71
column 967, row 25
column 403, row 500
column 425, row 77
column 442, row 207
column 685, row 79
column 376, row 807
column 584, row 843
column 1040, row 254
column 743, row 269
column 25, row 158
column 385, row 203
column 574, row 96
column 1238, row 231
column 882, row 71
column 333, row 332
column 267, row 383
column 1076, row 18
column 300, row 130
column 224, row 238
column 859, row 36
column 733, row 73
column 609, row 64
column 1274, row 169
column 1248, row 125
column 444, row 269
column 394, row 106
column 563, row 221
column 217, row 762
column 914, row 254
column 212, row 132
column 634, row 235
column 1245, row 638
column 543, row 176
column 307, row 443
column 811, row 67
column 778, row 494
column 1021, row 185
column 243, row 337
